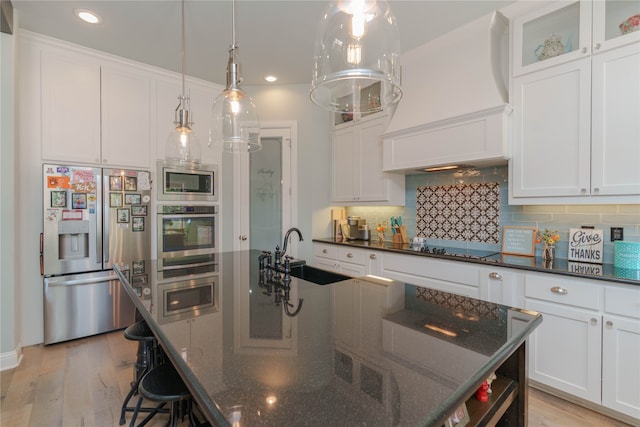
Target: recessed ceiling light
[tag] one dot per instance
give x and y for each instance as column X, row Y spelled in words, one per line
column 271, row 79
column 88, row 16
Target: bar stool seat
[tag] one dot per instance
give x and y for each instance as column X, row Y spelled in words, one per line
column 163, row 384
column 146, row 359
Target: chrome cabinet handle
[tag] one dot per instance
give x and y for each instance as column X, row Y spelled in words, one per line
column 349, row 255
column 609, row 323
column 596, row 189
column 324, row 251
column 372, row 256
column 558, row 290
column 583, row 190
column 494, row 275
column 594, row 321
column 598, row 45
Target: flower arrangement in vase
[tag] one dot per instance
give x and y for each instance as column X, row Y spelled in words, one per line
column 380, row 229
column 548, row 238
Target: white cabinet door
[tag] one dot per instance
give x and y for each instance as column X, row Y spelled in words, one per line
column 126, row 117
column 615, row 122
column 620, row 370
column 345, row 165
column 551, row 146
column 371, row 180
column 500, row 285
column 565, row 349
column 70, row 97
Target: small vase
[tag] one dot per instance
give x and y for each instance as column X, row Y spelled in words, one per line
column 380, row 237
column 548, row 252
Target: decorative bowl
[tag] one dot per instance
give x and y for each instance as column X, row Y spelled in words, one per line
column 630, row 25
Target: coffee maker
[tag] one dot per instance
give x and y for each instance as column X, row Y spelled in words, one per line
column 358, row 228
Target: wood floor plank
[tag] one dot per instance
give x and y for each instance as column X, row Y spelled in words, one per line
column 82, row 383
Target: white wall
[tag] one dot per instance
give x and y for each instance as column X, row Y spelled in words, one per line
column 9, row 339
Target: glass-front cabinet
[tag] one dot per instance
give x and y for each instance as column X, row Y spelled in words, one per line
column 564, row 31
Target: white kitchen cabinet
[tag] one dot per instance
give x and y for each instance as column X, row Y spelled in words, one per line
column 357, row 165
column 449, row 276
column 501, row 285
column 621, row 351
column 573, row 121
column 345, row 260
column 360, row 306
column 93, row 110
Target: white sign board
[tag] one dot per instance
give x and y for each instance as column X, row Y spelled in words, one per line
column 585, row 245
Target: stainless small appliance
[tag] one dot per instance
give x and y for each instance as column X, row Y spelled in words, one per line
column 358, row 228
column 186, row 236
column 191, row 184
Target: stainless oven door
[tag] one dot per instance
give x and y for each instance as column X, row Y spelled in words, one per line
column 186, row 239
column 187, row 298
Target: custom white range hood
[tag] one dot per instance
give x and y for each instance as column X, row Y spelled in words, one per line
column 454, row 109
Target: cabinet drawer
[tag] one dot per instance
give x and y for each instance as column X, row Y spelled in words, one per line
column 350, row 255
column 625, row 302
column 449, row 271
column 577, row 292
column 325, row 251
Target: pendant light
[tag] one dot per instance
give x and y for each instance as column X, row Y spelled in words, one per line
column 235, row 120
column 183, row 146
column 356, row 61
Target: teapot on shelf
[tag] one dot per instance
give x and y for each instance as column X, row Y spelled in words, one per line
column 552, row 47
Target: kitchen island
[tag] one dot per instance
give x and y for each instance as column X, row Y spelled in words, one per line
column 363, row 351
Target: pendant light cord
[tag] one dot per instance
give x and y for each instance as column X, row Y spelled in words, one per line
column 183, row 49
column 233, row 25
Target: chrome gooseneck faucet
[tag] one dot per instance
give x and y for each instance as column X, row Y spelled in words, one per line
column 286, row 239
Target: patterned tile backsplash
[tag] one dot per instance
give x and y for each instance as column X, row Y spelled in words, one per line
column 464, row 212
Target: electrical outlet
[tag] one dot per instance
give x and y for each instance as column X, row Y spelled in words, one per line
column 616, row 234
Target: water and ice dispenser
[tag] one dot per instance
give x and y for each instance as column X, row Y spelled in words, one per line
column 73, row 239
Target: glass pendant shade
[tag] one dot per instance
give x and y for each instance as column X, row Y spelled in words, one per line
column 182, row 146
column 236, row 127
column 357, row 48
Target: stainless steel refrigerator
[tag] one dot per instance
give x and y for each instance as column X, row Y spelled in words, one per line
column 93, row 219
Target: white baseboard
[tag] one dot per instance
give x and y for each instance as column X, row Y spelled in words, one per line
column 11, row 359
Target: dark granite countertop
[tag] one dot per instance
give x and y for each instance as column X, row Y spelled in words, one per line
column 332, row 364
column 606, row 272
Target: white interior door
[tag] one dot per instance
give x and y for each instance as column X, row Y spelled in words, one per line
column 265, row 190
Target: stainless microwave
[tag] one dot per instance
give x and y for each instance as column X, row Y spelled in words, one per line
column 192, row 184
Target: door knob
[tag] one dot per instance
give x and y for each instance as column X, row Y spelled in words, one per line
column 243, row 237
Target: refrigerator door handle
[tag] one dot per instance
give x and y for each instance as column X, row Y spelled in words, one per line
column 83, row 281
column 41, row 251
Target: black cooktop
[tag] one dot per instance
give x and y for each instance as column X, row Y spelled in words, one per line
column 449, row 252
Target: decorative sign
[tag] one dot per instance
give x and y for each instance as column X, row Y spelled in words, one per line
column 585, row 245
column 518, row 240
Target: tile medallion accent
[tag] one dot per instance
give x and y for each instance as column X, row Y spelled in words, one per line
column 466, row 212
column 459, row 302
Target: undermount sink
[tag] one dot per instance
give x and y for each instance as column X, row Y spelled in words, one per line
column 317, row 275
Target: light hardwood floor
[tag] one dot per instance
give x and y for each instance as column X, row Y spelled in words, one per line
column 82, row 383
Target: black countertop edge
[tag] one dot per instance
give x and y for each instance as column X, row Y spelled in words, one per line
column 607, row 272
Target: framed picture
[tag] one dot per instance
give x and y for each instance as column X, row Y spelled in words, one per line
column 123, row 215
column 138, row 267
column 132, row 199
column 139, row 210
column 115, row 183
column 58, row 199
column 459, row 418
column 115, row 200
column 78, row 200
column 518, row 240
column 137, row 223
column 130, row 183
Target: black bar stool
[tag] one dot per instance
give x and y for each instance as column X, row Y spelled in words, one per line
column 163, row 384
column 146, row 359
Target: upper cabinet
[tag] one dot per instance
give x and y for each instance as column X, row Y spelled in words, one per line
column 358, row 178
column 365, row 98
column 93, row 110
column 576, row 99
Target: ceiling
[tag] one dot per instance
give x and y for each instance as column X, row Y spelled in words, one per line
column 275, row 37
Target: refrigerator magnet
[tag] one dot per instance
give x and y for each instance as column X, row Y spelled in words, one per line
column 58, row 199
column 78, row 200
column 115, row 183
column 123, row 216
column 137, row 223
column 115, row 200
column 132, row 199
column 130, row 183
